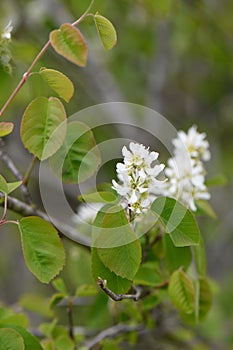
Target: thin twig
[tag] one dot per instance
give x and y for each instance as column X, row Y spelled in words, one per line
column 24, row 209
column 40, row 54
column 24, row 78
column 149, row 245
column 70, row 319
column 118, row 297
column 14, row 170
column 112, row 332
column 80, row 19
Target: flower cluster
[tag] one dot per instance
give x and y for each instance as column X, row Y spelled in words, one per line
column 185, row 171
column 138, row 175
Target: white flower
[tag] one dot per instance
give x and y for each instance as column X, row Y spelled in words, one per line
column 185, row 171
column 193, row 142
column 6, row 34
column 138, row 177
column 186, row 181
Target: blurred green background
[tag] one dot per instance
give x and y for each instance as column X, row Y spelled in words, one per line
column 173, row 56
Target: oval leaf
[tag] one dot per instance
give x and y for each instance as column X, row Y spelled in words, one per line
column 203, row 303
column 114, row 282
column 6, row 128
column 177, row 220
column 59, row 82
column 106, row 31
column 10, row 340
column 30, row 342
column 69, row 43
column 42, row 248
column 78, row 158
column 42, row 117
column 120, row 250
column 181, row 291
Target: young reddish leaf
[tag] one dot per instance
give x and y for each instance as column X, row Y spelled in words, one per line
column 70, row 43
column 106, row 31
column 42, row 117
column 6, row 128
column 42, row 248
column 59, row 82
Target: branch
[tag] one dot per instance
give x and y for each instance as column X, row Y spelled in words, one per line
column 112, row 332
column 118, row 297
column 40, row 54
column 24, row 209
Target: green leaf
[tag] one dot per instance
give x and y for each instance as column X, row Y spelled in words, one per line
column 117, row 244
column 3, row 185
column 205, row 208
column 63, row 342
column 98, row 197
column 106, row 31
column 148, row 275
column 205, row 298
column 47, row 344
column 116, row 283
column 150, row 301
column 55, row 299
column 7, row 188
column 102, row 193
column 79, row 157
column 13, row 186
column 6, row 128
column 59, row 285
column 42, row 248
column 200, row 257
column 181, row 291
column 69, row 43
column 86, row 290
column 40, row 120
column 30, row 342
column 176, row 257
column 204, row 302
column 59, row 82
column 10, row 340
column 177, row 220
column 12, row 318
column 48, row 328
